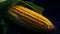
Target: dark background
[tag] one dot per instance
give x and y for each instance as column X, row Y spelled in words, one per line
column 51, row 12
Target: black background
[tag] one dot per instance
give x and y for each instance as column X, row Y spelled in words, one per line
column 52, row 12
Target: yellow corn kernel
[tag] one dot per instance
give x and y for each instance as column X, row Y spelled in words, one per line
column 30, row 17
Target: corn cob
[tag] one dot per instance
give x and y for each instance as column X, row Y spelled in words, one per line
column 30, row 17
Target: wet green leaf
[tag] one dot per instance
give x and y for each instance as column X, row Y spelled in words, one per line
column 4, row 26
column 32, row 6
column 5, row 29
column 36, row 8
column 2, row 0
column 4, row 7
